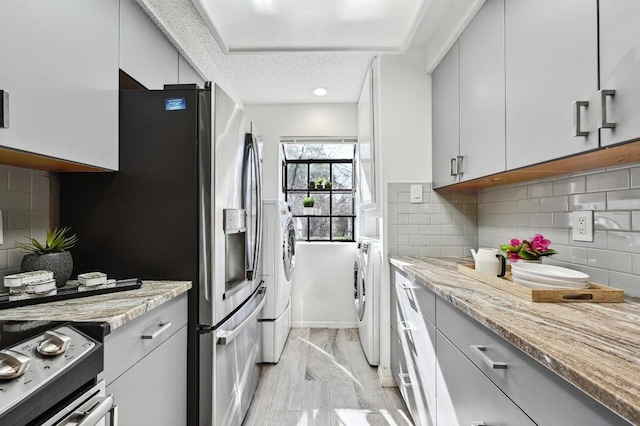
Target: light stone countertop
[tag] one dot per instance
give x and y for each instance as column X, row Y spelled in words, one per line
column 116, row 308
column 595, row 346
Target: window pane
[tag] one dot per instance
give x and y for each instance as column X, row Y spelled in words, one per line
column 342, row 204
column 301, row 228
column 296, row 176
column 319, row 228
column 295, row 201
column 320, row 170
column 342, row 176
column 342, row 228
column 321, row 202
column 318, row 151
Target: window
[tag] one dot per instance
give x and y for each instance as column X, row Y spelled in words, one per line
column 332, row 217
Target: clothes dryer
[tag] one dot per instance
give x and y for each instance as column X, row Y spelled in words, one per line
column 278, row 260
column 366, row 290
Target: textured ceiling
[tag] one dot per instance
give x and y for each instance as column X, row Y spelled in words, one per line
column 288, row 77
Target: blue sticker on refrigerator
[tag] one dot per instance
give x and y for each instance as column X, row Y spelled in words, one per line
column 175, row 104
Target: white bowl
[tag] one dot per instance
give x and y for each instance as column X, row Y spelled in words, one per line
column 545, row 280
column 540, row 286
column 550, row 271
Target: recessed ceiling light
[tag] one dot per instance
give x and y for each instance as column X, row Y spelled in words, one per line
column 319, row 91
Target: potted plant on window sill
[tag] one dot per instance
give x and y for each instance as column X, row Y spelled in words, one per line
column 307, row 203
column 327, row 184
column 319, row 183
column 52, row 256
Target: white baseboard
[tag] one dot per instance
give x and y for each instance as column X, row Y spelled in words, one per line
column 313, row 324
column 386, row 378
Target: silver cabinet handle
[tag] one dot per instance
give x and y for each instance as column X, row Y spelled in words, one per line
column 404, row 326
column 226, row 337
column 459, row 159
column 602, row 105
column 406, row 286
column 91, row 418
column 164, row 326
column 479, row 349
column 478, row 424
column 453, row 167
column 577, row 122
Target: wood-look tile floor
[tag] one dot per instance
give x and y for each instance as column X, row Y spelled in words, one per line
column 323, row 379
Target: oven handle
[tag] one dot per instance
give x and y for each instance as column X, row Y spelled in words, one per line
column 98, row 412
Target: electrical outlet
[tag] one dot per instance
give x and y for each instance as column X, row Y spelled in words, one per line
column 583, row 225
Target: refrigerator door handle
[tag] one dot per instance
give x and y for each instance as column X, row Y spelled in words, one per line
column 253, row 156
column 225, row 337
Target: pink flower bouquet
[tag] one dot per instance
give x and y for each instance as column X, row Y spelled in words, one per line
column 533, row 249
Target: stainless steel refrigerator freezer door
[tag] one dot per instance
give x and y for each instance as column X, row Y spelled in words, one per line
column 252, row 203
column 235, row 348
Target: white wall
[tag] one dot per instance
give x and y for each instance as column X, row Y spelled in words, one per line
column 322, row 294
column 323, row 276
column 404, row 129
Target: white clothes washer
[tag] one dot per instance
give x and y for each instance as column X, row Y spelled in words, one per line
column 366, row 292
column 278, row 260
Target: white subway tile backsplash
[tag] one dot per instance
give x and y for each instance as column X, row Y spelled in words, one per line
column 618, row 179
column 409, row 251
column 431, row 229
column 464, row 197
column 612, row 221
column 431, row 251
column 456, row 251
column 492, row 195
column 599, row 241
column 15, row 200
column 408, row 229
column 554, row 204
column 570, row 254
column 404, row 197
column 419, row 240
column 610, row 260
column 517, row 193
column 406, row 207
column 403, row 219
column 14, row 257
column 572, row 185
column 431, row 208
column 528, row 206
column 420, row 219
column 562, row 220
column 627, row 282
column 624, row 200
column 635, row 177
column 635, row 260
column 540, row 189
column 595, row 201
column 442, row 219
column 19, row 181
column 19, row 219
column 624, row 241
column 635, row 221
column 442, row 240
column 540, row 219
column 4, row 181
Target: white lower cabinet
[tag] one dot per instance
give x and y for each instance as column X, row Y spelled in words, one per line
column 468, row 397
column 455, row 371
column 146, row 367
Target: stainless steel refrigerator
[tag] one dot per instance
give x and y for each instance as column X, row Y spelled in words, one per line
column 185, row 205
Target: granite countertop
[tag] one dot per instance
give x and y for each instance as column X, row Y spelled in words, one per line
column 595, row 346
column 114, row 308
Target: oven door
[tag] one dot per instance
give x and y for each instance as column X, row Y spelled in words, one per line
column 92, row 408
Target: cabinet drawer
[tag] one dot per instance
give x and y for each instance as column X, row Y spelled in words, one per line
column 150, row 393
column 421, row 299
column 394, row 308
column 126, row 345
column 465, row 395
column 546, row 397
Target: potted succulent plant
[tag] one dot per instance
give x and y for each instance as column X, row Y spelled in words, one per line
column 52, row 255
column 312, row 185
column 319, row 183
column 327, row 184
column 307, row 203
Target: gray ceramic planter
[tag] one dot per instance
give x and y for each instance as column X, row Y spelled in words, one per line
column 61, row 264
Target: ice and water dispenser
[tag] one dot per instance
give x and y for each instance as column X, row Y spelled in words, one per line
column 235, row 235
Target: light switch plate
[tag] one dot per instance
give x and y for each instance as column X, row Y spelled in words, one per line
column 582, row 225
column 416, row 193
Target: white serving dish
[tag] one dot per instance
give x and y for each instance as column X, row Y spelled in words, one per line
column 540, row 286
column 550, row 271
column 545, row 280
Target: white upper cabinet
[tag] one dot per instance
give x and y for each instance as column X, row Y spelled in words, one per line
column 482, row 97
column 620, row 68
column 145, row 53
column 551, row 62
column 187, row 75
column 446, row 119
column 59, row 63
